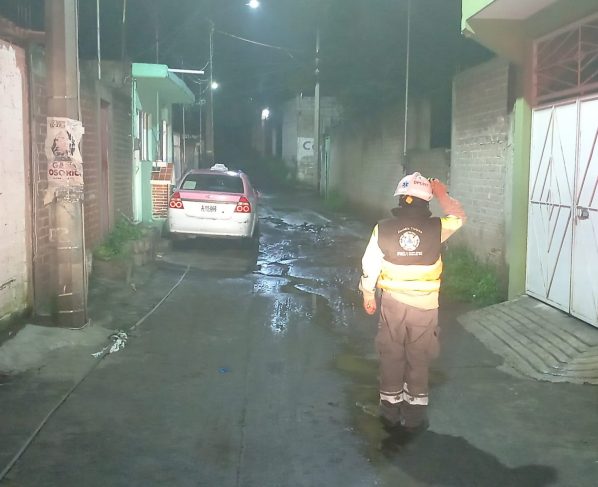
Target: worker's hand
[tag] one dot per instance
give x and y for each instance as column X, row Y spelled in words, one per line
column 369, row 303
column 438, row 188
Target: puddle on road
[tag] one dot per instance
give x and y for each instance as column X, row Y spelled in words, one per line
column 281, row 224
column 288, row 210
column 430, row 458
column 278, row 223
column 274, row 281
column 272, row 269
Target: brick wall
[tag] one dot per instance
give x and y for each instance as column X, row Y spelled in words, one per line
column 160, row 195
column 161, row 181
column 44, row 261
column 481, row 155
column 90, row 150
column 121, row 164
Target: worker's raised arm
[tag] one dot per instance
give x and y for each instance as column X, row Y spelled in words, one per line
column 453, row 210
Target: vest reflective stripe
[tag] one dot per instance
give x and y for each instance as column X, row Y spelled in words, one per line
column 394, row 398
column 413, row 278
column 419, row 400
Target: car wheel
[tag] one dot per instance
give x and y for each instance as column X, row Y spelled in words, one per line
column 253, row 242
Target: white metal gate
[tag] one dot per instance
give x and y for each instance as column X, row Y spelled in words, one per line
column 584, row 280
column 563, row 211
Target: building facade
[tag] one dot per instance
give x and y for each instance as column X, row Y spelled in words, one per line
column 154, row 92
column 533, row 146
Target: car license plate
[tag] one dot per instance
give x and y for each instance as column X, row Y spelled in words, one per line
column 208, row 208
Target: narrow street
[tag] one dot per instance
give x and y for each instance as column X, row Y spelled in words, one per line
column 231, row 381
column 259, row 370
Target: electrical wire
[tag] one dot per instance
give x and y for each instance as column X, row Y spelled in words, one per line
column 65, row 397
column 256, row 43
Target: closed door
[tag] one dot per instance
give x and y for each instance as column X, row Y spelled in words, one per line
column 550, row 228
column 584, row 280
column 562, row 260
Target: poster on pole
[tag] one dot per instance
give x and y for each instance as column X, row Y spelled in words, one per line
column 65, row 164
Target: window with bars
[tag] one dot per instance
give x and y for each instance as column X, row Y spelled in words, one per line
column 566, row 63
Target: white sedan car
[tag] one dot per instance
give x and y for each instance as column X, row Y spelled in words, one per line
column 214, row 202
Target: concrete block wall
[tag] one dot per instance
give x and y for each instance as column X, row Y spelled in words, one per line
column 289, row 134
column 366, row 161
column 298, row 122
column 482, row 156
column 306, row 166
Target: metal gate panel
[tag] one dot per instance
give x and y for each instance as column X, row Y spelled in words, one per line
column 550, row 235
column 584, row 281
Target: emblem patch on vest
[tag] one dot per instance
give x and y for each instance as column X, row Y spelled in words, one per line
column 409, row 241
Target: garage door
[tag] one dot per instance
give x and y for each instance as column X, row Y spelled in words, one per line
column 563, row 210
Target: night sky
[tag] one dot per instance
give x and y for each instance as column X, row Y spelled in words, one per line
column 363, row 46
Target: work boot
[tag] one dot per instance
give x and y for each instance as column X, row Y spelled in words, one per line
column 390, row 415
column 413, row 416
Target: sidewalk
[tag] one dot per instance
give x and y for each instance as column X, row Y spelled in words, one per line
column 39, row 364
column 537, row 341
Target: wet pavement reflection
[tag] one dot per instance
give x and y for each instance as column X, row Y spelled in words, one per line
column 306, row 271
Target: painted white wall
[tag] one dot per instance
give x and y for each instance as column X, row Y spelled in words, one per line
column 13, row 189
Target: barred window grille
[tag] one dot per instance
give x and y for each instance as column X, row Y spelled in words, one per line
column 566, row 63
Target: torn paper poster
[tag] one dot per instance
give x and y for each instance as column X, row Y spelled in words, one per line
column 65, row 164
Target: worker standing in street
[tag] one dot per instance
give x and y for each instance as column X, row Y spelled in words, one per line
column 403, row 260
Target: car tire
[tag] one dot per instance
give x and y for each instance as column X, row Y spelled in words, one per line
column 253, row 242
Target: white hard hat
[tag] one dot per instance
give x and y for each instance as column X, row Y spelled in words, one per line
column 415, row 185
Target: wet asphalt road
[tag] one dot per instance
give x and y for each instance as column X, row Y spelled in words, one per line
column 259, row 370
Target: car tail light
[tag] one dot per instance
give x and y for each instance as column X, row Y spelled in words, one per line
column 243, row 206
column 176, row 203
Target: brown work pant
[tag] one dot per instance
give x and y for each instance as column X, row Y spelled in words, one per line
column 407, row 342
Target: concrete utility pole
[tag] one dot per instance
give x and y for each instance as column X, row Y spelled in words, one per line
column 210, row 112
column 407, row 68
column 317, row 113
column 70, row 294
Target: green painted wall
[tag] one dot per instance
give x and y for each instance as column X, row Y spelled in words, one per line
column 146, row 191
column 517, row 243
column 469, row 8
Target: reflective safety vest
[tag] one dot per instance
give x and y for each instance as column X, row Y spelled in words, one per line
column 411, row 254
column 403, row 258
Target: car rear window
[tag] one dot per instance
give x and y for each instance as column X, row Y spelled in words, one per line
column 220, row 183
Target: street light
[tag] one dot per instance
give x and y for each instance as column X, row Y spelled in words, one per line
column 265, row 114
column 253, row 4
column 214, row 85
